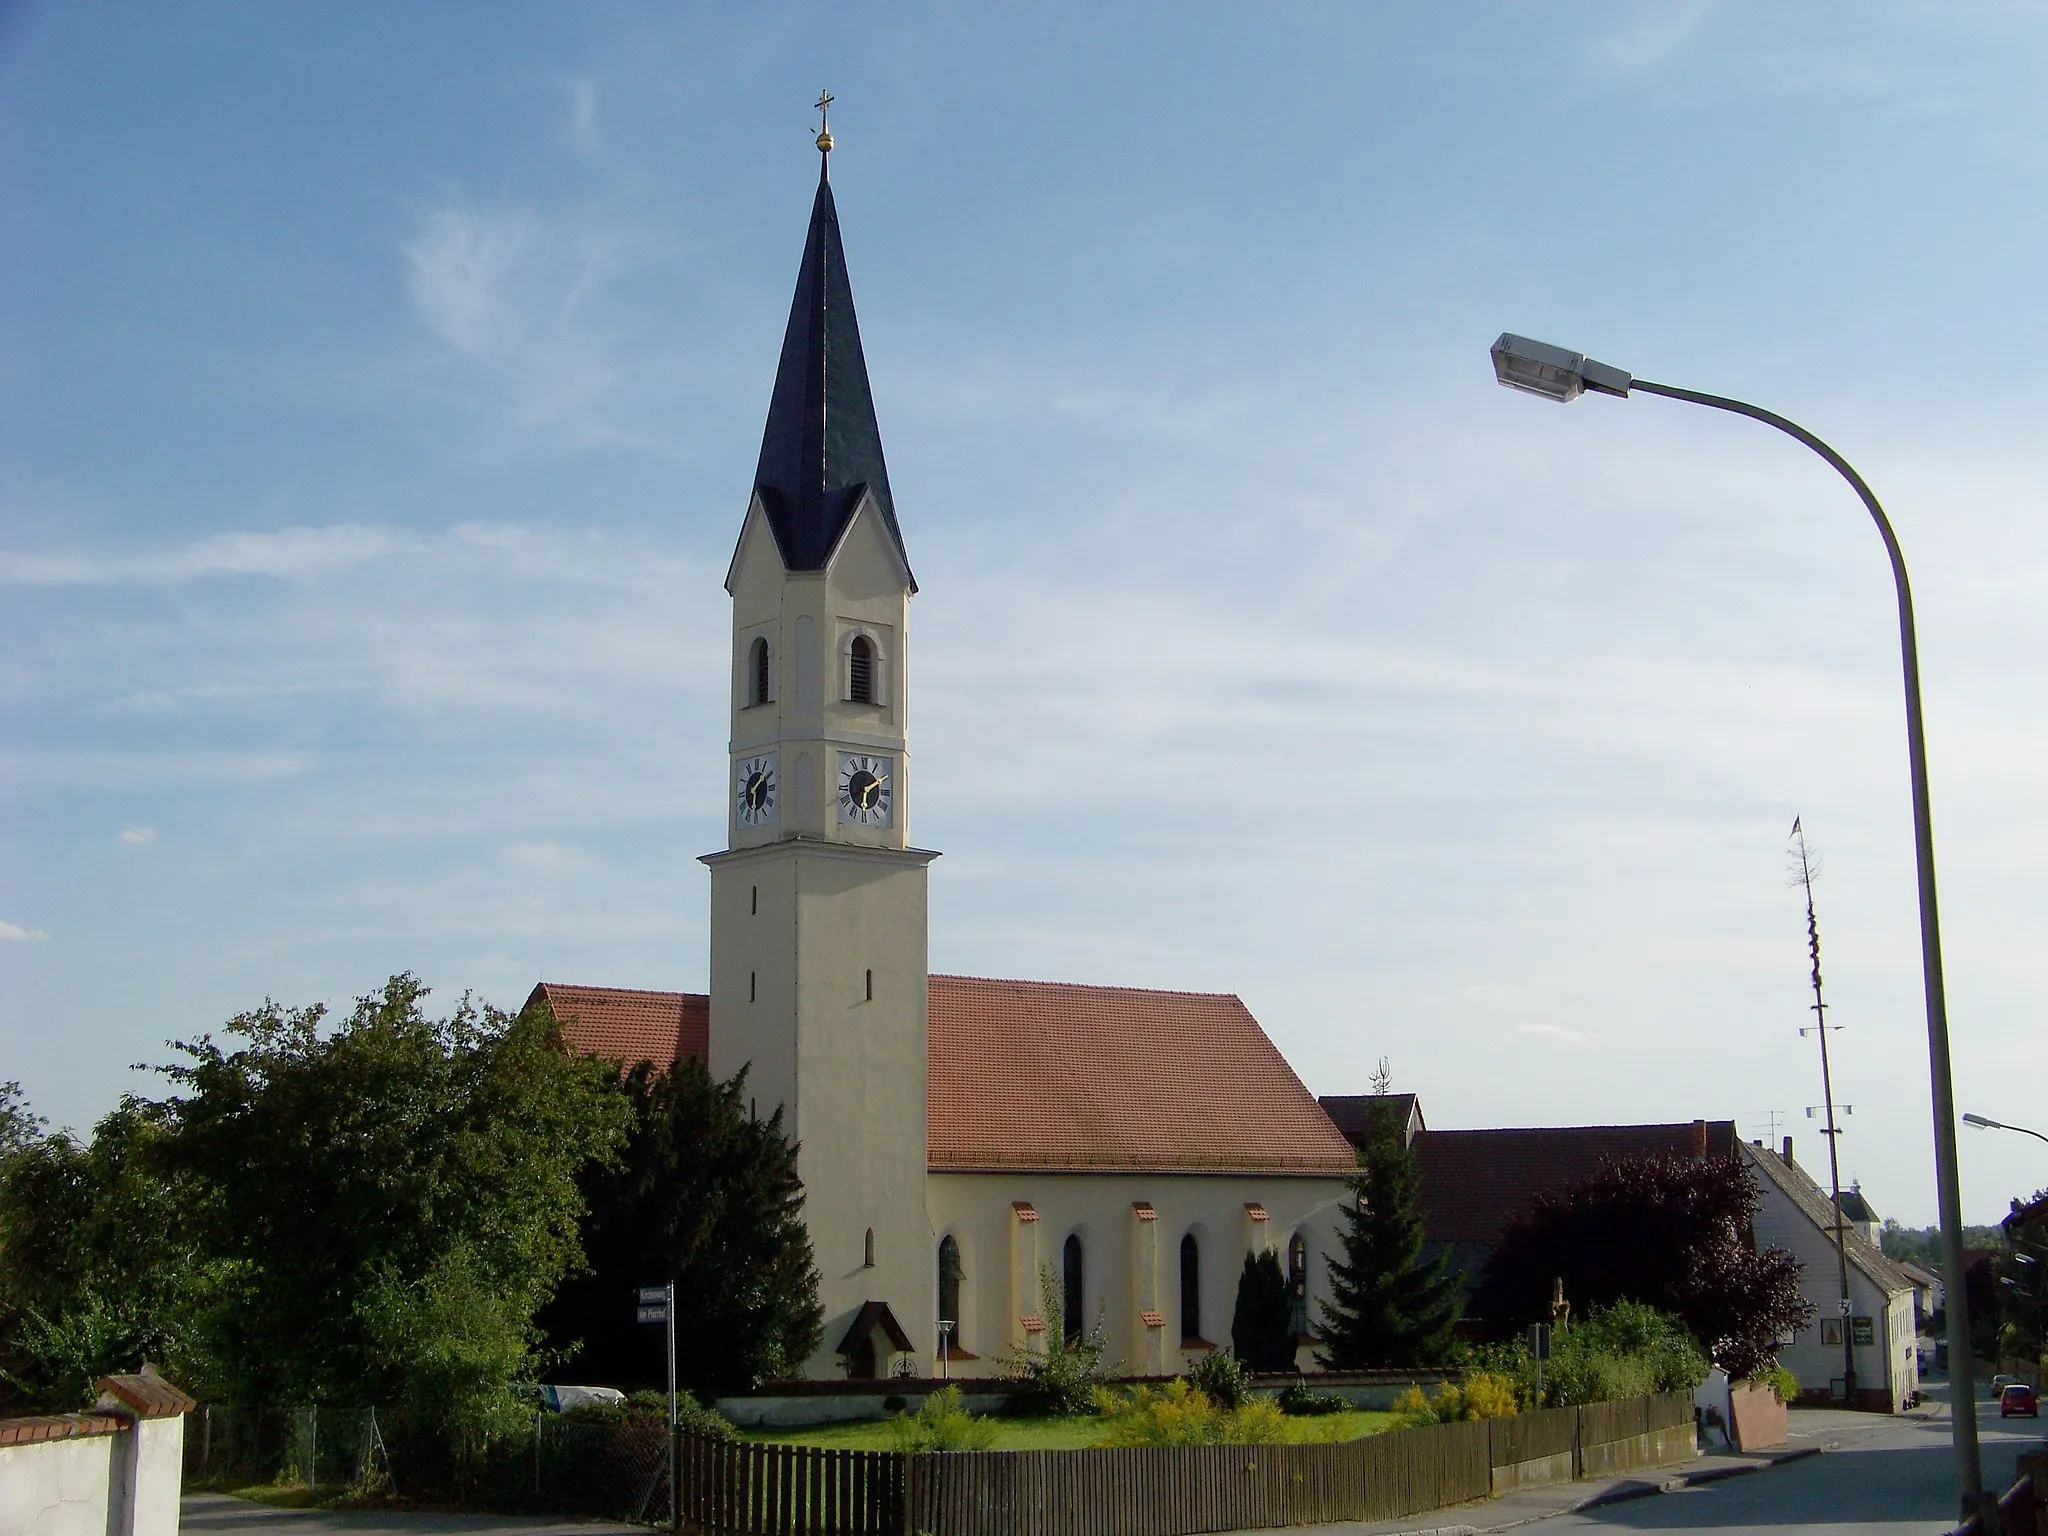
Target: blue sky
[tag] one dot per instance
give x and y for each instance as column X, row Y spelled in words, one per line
column 382, row 391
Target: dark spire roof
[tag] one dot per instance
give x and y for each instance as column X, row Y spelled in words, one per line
column 822, row 448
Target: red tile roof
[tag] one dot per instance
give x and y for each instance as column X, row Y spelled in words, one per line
column 629, row 1026
column 1047, row 1076
column 1473, row 1183
column 1043, row 1075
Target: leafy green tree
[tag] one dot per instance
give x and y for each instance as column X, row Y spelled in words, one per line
column 706, row 1196
column 98, row 1269
column 1388, row 1306
column 1262, row 1322
column 389, row 1201
column 1674, row 1232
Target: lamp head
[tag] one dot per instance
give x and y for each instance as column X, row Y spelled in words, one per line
column 1538, row 368
column 1981, row 1123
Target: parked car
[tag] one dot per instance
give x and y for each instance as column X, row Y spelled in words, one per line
column 2000, row 1383
column 2018, row 1398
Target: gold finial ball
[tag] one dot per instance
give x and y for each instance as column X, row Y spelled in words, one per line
column 825, row 142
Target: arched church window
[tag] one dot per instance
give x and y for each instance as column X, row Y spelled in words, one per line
column 757, row 672
column 1190, row 1287
column 949, row 1287
column 1072, row 1294
column 860, row 670
column 867, row 1251
column 1297, row 1281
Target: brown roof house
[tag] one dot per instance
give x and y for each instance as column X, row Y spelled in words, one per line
column 1472, row 1184
column 959, row 1138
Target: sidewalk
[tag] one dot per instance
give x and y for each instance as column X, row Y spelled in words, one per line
column 1813, row 1432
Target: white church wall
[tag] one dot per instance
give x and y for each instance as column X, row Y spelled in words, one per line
column 1013, row 1227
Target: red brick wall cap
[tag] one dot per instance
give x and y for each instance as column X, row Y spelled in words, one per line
column 145, row 1394
column 59, row 1426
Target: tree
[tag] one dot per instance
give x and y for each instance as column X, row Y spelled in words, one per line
column 98, row 1269
column 1262, row 1324
column 706, row 1196
column 1388, row 1306
column 1673, row 1232
column 389, row 1201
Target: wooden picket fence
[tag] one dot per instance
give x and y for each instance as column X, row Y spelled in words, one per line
column 744, row 1489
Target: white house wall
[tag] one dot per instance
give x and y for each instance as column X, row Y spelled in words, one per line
column 1132, row 1262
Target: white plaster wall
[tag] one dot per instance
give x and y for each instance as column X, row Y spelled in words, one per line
column 62, row 1487
column 1887, row 1362
column 159, row 1472
column 978, row 1210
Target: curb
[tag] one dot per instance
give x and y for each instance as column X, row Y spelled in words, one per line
column 1624, row 1492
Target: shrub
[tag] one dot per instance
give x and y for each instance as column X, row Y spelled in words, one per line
column 1301, row 1402
column 1219, row 1375
column 1482, row 1395
column 1181, row 1414
column 1488, row 1396
column 1062, row 1380
column 1781, row 1381
column 942, row 1424
column 1262, row 1323
column 1626, row 1350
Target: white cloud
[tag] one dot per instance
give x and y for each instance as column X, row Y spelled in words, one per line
column 138, row 834
column 580, row 129
column 1649, row 37
column 11, row 932
column 1556, row 1034
column 294, row 554
column 520, row 300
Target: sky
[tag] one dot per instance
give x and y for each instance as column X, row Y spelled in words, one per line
column 380, row 390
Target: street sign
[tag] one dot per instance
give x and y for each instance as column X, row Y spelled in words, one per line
column 658, row 1313
column 650, row 1294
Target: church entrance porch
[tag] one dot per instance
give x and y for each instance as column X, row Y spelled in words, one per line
column 866, row 1355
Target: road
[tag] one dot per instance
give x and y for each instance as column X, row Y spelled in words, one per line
column 1893, row 1476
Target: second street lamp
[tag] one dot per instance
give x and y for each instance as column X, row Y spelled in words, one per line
column 1555, row 373
column 1985, row 1123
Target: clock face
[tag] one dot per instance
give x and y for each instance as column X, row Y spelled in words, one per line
column 867, row 793
column 754, row 790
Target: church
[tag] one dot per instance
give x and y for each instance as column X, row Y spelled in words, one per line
column 981, row 1159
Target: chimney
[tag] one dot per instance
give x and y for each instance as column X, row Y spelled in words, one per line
column 1699, row 1138
column 1788, row 1149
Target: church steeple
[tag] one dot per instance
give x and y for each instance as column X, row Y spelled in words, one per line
column 823, row 447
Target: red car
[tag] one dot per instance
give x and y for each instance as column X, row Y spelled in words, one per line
column 2018, row 1399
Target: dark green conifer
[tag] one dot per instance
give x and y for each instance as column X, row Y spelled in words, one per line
column 1388, row 1306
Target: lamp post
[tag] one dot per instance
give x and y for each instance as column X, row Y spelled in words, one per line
column 1557, row 374
column 1985, row 1123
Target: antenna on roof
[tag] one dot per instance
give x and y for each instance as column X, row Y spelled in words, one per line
column 1833, row 1131
column 1773, row 1117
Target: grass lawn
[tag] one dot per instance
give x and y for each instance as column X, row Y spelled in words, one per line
column 280, row 1495
column 1045, row 1434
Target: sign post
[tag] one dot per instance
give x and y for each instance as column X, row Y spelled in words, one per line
column 658, row 1305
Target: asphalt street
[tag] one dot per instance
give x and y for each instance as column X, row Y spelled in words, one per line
column 1889, row 1475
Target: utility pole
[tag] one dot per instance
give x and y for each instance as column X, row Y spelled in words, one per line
column 1833, row 1132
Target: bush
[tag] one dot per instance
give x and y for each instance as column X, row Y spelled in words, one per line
column 1181, row 1414
column 1298, row 1401
column 1626, row 1350
column 1482, row 1395
column 1220, row 1377
column 1781, row 1381
column 1062, row 1380
column 942, row 1424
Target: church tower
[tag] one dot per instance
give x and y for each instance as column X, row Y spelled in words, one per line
column 818, row 956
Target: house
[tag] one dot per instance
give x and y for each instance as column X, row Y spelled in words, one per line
column 1877, row 1332
column 1927, row 1290
column 1473, row 1184
column 977, row 1155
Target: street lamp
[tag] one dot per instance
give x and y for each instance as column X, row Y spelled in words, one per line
column 1985, row 1123
column 1557, row 374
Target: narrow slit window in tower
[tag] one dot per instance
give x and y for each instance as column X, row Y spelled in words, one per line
column 871, row 986
column 868, row 1250
column 757, row 672
column 753, row 980
column 860, row 670
column 754, row 908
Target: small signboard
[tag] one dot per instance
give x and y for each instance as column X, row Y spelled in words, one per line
column 653, row 1304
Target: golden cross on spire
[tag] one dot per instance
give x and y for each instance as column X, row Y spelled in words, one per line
column 824, row 106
